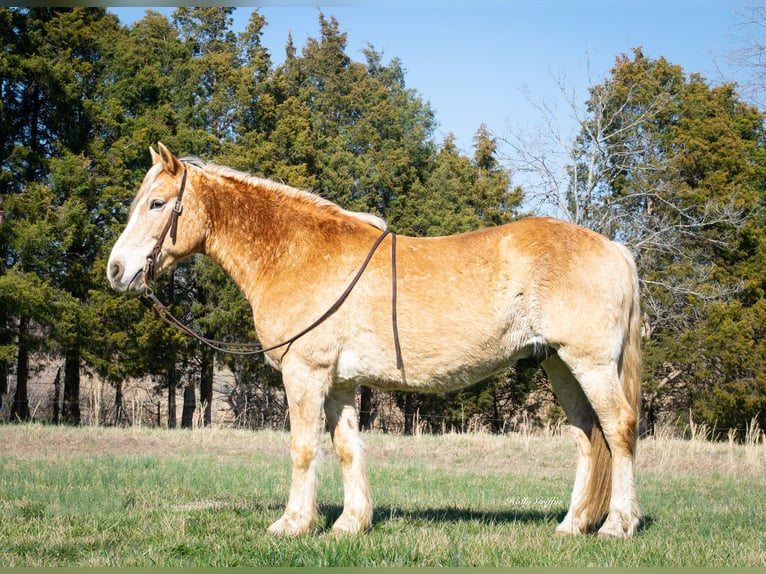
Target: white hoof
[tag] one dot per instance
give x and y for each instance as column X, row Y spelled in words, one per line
column 617, row 526
column 350, row 525
column 288, row 526
column 571, row 527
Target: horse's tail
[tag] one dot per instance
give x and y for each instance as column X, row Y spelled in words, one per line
column 630, row 372
column 599, row 489
column 598, row 492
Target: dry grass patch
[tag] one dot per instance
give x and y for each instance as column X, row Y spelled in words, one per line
column 540, row 454
column 688, row 457
column 41, row 441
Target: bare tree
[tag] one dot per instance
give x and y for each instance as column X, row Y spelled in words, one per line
column 751, row 55
column 619, row 177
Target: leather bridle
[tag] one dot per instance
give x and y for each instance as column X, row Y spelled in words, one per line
column 171, row 225
column 161, row 311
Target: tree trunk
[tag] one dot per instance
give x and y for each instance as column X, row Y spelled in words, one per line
column 206, row 384
column 71, row 407
column 120, row 413
column 20, row 408
column 3, row 381
column 496, row 418
column 365, row 408
column 172, row 381
column 57, row 397
column 172, row 373
column 4, row 338
column 187, row 414
column 409, row 415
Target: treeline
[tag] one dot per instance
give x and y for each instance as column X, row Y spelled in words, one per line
column 665, row 162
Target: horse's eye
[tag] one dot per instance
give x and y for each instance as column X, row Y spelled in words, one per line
column 156, row 204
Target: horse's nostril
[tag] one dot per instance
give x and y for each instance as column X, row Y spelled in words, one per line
column 115, row 271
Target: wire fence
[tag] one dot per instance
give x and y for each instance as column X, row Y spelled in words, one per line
column 144, row 403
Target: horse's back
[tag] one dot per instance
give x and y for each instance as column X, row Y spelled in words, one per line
column 544, row 254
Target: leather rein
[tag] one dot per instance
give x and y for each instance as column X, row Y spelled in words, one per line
column 160, row 310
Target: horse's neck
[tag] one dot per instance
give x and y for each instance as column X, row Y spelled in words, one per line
column 260, row 235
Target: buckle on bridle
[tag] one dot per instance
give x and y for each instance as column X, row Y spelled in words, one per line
column 149, row 268
column 178, row 207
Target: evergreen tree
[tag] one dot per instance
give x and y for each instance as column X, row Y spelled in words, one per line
column 463, row 194
column 352, row 131
column 206, row 94
column 50, row 89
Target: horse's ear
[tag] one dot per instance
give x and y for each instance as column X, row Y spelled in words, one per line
column 155, row 156
column 170, row 163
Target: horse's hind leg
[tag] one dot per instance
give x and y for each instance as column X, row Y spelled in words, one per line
column 617, row 419
column 306, row 391
column 357, row 503
column 584, row 512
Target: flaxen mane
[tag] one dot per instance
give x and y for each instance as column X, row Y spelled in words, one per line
column 292, row 192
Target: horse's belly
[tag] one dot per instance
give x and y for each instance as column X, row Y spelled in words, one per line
column 426, row 371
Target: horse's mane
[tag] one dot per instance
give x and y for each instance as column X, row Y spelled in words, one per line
column 300, row 194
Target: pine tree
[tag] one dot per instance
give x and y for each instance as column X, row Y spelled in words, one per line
column 463, row 194
column 49, row 93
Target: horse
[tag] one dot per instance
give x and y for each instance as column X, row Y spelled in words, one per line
column 465, row 306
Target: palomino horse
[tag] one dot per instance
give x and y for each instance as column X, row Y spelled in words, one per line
column 467, row 306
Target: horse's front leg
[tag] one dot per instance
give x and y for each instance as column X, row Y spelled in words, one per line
column 306, row 391
column 357, row 502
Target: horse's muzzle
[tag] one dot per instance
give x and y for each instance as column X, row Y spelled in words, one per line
column 116, row 275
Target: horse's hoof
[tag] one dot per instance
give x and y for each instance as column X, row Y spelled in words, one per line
column 570, row 527
column 347, row 525
column 287, row 526
column 612, row 534
column 614, row 527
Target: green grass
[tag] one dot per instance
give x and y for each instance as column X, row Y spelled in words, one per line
column 138, row 497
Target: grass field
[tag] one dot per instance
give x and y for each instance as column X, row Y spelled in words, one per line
column 142, row 497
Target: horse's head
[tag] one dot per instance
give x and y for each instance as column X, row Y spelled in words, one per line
column 148, row 246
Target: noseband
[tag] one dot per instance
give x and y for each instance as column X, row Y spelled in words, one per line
column 161, row 311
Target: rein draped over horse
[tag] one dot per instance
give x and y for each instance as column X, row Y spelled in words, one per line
column 538, row 287
column 161, row 310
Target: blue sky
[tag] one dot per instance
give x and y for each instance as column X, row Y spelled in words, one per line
column 475, row 64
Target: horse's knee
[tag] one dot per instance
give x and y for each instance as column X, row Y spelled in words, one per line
column 345, row 451
column 303, row 452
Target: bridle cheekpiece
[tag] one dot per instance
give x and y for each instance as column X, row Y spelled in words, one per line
column 171, row 226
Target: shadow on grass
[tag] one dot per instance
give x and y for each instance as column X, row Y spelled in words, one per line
column 329, row 513
column 385, row 514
